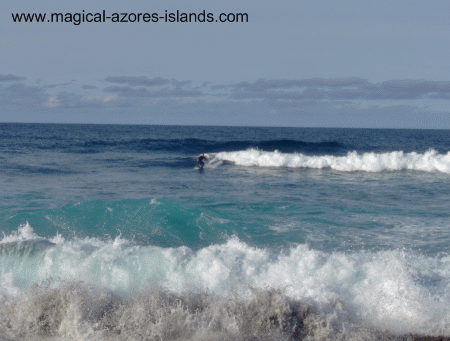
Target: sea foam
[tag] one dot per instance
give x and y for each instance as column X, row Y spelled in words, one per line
column 430, row 161
column 394, row 291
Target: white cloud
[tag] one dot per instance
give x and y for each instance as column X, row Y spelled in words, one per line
column 52, row 102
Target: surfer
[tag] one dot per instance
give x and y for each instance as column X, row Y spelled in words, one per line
column 200, row 160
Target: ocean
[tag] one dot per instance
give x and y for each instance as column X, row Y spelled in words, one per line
column 108, row 232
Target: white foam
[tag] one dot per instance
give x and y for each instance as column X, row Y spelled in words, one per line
column 154, row 202
column 58, row 239
column 391, row 290
column 430, row 161
column 24, row 233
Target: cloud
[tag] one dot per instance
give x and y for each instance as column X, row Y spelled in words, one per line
column 262, row 85
column 182, row 83
column 53, row 86
column 347, row 101
column 220, row 87
column 73, row 100
column 280, row 95
column 11, row 78
column 341, row 89
column 406, row 89
column 19, row 93
column 126, row 91
column 138, row 81
column 440, row 95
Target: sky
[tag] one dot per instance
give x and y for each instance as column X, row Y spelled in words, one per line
column 321, row 63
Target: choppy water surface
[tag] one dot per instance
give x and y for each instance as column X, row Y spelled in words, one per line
column 109, row 233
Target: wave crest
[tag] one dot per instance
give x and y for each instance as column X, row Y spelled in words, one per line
column 430, row 161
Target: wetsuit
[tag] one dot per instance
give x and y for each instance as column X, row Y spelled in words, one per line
column 200, row 160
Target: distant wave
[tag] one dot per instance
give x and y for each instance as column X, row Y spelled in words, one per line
column 176, row 144
column 430, row 161
column 192, row 145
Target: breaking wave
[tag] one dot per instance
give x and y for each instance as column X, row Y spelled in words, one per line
column 430, row 161
column 117, row 290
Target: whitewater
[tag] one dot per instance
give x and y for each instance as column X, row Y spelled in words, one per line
column 430, row 161
column 109, row 233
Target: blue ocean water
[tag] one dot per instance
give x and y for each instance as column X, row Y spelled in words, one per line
column 110, row 233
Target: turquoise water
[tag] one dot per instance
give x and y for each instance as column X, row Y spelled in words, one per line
column 108, row 232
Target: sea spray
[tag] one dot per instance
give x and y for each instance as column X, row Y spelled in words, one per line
column 77, row 310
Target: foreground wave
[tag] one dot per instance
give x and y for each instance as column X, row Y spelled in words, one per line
column 80, row 311
column 114, row 289
column 430, row 161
